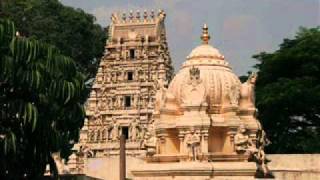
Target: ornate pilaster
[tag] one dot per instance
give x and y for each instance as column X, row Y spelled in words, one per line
column 181, row 136
column 231, row 133
column 204, row 141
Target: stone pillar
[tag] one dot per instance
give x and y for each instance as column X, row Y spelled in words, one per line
column 231, row 133
column 182, row 144
column 162, row 142
column 204, row 141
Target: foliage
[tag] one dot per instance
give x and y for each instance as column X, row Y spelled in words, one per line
column 288, row 93
column 41, row 110
column 72, row 31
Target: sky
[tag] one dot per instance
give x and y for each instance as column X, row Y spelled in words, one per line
column 238, row 28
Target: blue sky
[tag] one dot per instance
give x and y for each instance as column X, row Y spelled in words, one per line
column 238, row 28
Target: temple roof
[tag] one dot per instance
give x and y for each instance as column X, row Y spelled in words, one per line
column 219, row 82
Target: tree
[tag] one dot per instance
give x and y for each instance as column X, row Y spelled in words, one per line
column 41, row 104
column 288, row 93
column 71, row 30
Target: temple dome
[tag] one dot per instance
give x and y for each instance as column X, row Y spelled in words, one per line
column 222, row 86
column 205, row 50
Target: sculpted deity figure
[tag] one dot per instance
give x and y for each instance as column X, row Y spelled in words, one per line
column 247, row 95
column 161, row 15
column 150, row 143
column 110, row 104
column 114, row 18
column 86, row 151
column 134, row 130
column 260, row 156
column 234, row 94
column 242, row 142
column 97, row 135
column 103, row 104
column 91, row 135
column 107, row 77
column 118, row 102
column 143, row 131
column 103, row 134
column 160, row 95
column 60, row 163
column 115, row 130
column 193, row 92
column 193, row 144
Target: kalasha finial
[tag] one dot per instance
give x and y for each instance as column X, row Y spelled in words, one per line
column 205, row 37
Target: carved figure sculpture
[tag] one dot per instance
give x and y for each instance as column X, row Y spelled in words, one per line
column 150, row 143
column 91, row 136
column 161, row 15
column 242, row 142
column 234, row 94
column 193, row 145
column 114, row 18
column 193, row 92
column 260, row 156
column 160, row 95
column 115, row 130
column 247, row 96
column 97, row 135
column 86, row 151
column 134, row 130
column 143, row 131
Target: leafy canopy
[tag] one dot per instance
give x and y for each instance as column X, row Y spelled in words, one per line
column 41, row 104
column 288, row 93
column 72, row 31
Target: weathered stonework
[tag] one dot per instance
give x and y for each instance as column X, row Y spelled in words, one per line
column 202, row 125
column 122, row 98
column 205, row 123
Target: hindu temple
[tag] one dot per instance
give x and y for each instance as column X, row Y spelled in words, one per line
column 199, row 124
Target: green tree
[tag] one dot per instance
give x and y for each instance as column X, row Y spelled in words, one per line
column 72, row 31
column 41, row 104
column 288, row 93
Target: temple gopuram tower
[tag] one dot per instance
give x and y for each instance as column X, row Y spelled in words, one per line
column 122, row 98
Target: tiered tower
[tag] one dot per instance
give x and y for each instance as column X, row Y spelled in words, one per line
column 123, row 94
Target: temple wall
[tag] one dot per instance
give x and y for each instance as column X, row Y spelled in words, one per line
column 295, row 166
column 283, row 166
column 108, row 168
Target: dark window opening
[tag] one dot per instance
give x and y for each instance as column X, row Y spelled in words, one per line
column 130, row 76
column 125, row 132
column 127, row 101
column 132, row 53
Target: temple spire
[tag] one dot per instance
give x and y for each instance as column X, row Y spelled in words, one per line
column 205, row 37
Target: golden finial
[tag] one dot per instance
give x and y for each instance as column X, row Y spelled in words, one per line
column 205, row 37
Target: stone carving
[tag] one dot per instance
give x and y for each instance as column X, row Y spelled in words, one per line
column 150, row 143
column 134, row 130
column 193, row 92
column 193, row 145
column 86, row 151
column 247, row 94
column 161, row 15
column 97, row 135
column 234, row 95
column 102, row 104
column 160, row 95
column 194, row 77
column 260, row 156
column 242, row 142
column 143, row 131
column 115, row 130
column 114, row 18
column 60, row 163
column 109, row 100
